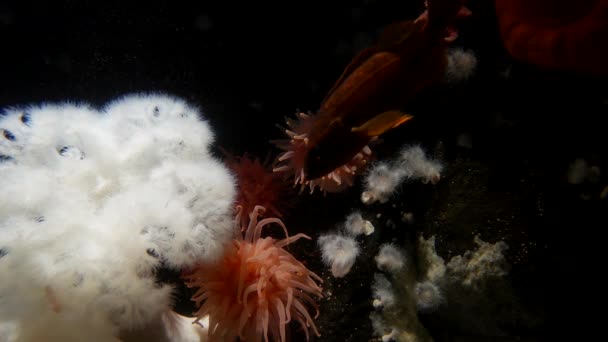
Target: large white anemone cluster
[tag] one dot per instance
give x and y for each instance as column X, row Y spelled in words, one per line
column 92, row 202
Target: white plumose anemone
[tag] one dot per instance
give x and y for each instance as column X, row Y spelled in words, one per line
column 93, row 201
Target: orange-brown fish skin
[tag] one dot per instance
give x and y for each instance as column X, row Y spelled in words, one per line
column 386, row 80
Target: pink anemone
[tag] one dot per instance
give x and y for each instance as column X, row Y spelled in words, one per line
column 257, row 288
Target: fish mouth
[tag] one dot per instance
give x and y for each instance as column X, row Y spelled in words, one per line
column 451, row 32
column 450, row 35
column 315, row 170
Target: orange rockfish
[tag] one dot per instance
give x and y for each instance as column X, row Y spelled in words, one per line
column 366, row 100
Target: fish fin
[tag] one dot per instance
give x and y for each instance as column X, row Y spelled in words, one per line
column 382, row 123
column 396, row 34
column 359, row 59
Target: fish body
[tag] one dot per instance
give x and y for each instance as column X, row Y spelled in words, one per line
column 365, row 102
column 556, row 35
